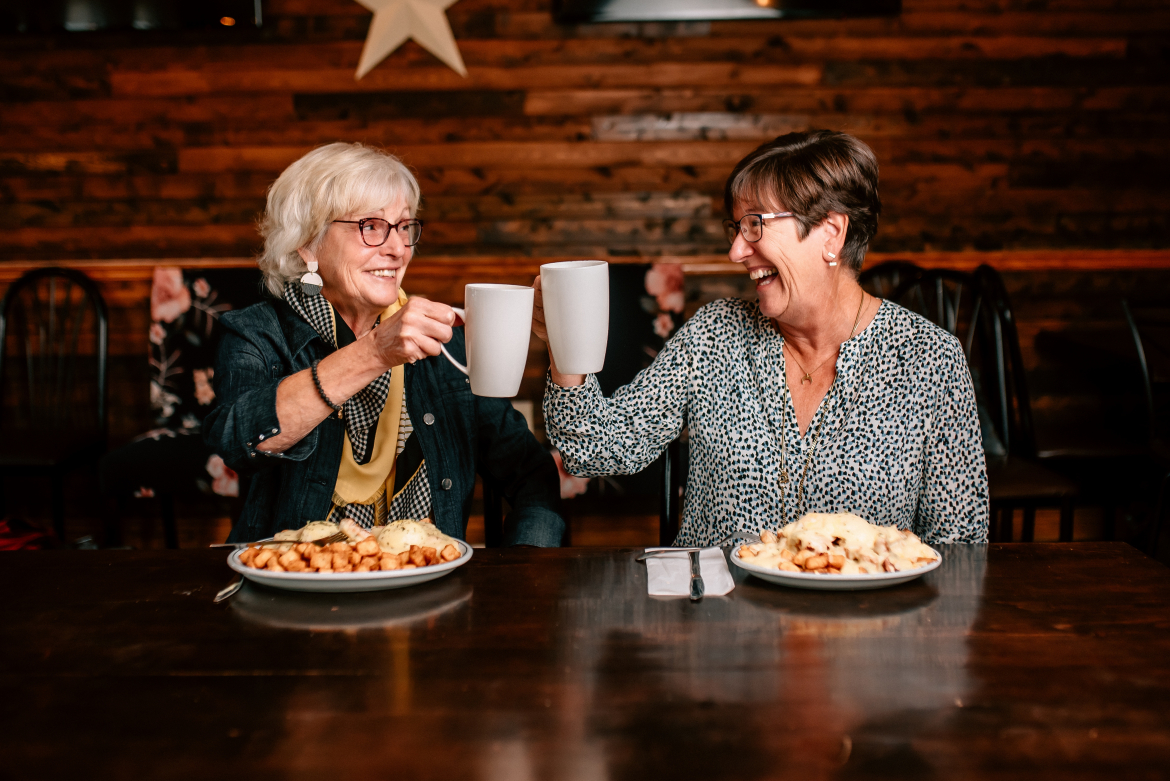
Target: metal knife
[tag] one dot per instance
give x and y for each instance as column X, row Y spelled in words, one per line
column 696, row 577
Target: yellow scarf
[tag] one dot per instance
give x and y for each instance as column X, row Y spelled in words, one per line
column 368, row 483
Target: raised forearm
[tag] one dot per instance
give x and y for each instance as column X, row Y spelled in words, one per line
column 299, row 406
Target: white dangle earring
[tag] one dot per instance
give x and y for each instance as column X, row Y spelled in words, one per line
column 311, row 282
column 832, row 258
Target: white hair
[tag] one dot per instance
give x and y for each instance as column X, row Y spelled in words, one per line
column 327, row 184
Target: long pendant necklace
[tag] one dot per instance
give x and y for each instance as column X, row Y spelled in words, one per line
column 816, row 435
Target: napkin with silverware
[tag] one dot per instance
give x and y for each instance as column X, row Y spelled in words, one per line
column 668, row 573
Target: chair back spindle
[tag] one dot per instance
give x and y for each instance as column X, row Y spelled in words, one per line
column 53, row 345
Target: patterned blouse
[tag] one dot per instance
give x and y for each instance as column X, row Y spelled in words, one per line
column 899, row 441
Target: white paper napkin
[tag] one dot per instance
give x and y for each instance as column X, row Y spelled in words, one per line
column 669, row 574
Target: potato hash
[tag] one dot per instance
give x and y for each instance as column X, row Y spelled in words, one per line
column 837, row 544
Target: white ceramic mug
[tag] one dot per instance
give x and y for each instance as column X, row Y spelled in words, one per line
column 498, row 322
column 576, row 312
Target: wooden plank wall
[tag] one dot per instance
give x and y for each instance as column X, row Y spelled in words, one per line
column 999, row 124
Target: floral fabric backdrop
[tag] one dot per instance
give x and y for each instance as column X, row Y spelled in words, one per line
column 185, row 308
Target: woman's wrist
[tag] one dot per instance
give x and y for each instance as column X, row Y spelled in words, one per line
column 563, row 380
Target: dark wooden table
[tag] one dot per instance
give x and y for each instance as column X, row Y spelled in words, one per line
column 1010, row 661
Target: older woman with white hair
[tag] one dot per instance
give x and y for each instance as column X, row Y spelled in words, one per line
column 815, row 397
column 330, row 394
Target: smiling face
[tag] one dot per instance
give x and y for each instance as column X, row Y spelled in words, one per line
column 789, row 272
column 362, row 279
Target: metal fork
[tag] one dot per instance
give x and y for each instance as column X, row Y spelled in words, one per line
column 747, row 537
column 321, row 543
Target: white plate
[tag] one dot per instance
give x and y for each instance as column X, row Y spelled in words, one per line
column 348, row 581
column 811, row 580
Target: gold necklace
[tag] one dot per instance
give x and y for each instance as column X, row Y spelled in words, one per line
column 812, row 445
column 808, row 375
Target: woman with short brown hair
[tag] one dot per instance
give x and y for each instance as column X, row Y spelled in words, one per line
column 817, row 397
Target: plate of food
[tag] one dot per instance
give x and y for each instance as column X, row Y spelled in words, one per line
column 400, row 554
column 837, row 552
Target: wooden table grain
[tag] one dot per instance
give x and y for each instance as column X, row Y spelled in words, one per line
column 1009, row 661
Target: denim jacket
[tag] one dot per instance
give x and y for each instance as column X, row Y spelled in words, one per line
column 458, row 432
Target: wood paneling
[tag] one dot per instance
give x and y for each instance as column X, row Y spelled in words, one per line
column 999, row 124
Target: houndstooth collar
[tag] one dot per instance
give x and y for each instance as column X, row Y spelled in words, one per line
column 362, row 409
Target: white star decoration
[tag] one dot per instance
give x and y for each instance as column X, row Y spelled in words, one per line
column 396, row 20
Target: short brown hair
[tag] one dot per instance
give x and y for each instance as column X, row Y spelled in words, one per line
column 812, row 174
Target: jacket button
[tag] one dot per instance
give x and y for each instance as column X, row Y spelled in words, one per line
column 446, row 484
column 429, row 419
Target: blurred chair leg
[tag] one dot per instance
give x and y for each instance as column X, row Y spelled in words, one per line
column 1028, row 529
column 1003, row 530
column 115, row 509
column 57, row 502
column 166, row 506
column 1066, row 520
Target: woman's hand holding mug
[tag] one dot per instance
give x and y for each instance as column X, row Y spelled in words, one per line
column 417, row 330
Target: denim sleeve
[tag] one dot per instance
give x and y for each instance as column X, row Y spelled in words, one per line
column 525, row 472
column 245, row 413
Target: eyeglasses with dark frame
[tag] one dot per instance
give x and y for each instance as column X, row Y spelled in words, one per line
column 375, row 231
column 753, row 229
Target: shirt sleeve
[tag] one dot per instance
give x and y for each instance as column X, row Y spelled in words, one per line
column 623, row 434
column 953, row 504
column 245, row 413
column 524, row 471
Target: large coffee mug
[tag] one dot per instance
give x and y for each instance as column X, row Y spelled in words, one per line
column 498, row 322
column 576, row 313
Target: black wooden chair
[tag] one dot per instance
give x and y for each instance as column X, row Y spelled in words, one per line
column 54, row 336
column 975, row 308
column 884, row 279
column 1150, row 329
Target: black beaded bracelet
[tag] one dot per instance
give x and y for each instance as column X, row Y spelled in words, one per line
column 320, row 390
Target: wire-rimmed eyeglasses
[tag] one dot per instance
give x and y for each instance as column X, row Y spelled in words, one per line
column 750, row 225
column 374, row 230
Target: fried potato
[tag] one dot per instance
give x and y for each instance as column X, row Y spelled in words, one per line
column 288, row 557
column 297, row 566
column 321, row 560
column 767, row 536
column 372, row 562
column 449, row 553
column 417, row 558
column 836, row 560
column 247, row 554
column 355, row 558
column 263, row 557
column 430, row 555
column 389, row 562
column 368, row 547
column 339, row 547
column 306, row 549
column 340, row 560
column 817, row 562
